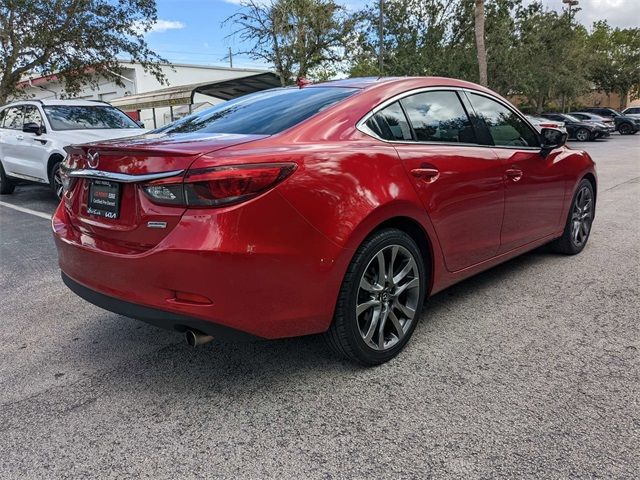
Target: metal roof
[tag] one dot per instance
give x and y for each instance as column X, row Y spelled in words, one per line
column 183, row 94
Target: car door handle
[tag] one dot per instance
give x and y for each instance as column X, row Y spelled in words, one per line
column 19, row 137
column 514, row 174
column 428, row 174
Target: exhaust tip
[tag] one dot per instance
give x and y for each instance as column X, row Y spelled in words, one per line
column 196, row 338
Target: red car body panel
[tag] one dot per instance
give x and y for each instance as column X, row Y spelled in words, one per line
column 272, row 266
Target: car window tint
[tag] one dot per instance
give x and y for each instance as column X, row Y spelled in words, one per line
column 390, row 123
column 438, row 117
column 13, row 118
column 506, row 128
column 2, row 115
column 32, row 115
column 262, row 113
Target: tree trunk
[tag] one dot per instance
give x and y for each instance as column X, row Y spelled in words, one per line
column 480, row 48
column 624, row 95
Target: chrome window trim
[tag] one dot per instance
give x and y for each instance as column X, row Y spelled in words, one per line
column 361, row 125
column 121, row 177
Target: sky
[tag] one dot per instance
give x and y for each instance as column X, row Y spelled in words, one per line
column 190, row 31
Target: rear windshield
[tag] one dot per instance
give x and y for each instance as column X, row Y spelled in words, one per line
column 74, row 117
column 263, row 113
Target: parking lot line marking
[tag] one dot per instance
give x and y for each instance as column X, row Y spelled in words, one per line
column 26, row 210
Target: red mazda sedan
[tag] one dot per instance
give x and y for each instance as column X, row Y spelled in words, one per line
column 336, row 208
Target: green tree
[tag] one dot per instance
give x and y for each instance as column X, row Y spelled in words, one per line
column 78, row 40
column 419, row 37
column 551, row 56
column 295, row 36
column 616, row 60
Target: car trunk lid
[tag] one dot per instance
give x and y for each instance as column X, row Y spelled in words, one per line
column 105, row 200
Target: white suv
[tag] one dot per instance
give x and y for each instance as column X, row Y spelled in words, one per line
column 33, row 135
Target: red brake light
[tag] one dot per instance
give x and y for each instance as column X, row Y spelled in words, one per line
column 219, row 186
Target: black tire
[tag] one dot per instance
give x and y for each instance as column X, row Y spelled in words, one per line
column 55, row 182
column 6, row 185
column 582, row 135
column 346, row 335
column 569, row 243
column 626, row 129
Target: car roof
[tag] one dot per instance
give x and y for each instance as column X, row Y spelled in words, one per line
column 52, row 102
column 367, row 83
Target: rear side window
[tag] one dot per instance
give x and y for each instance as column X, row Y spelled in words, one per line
column 263, row 113
column 13, row 118
column 506, row 128
column 633, row 110
column 438, row 117
column 390, row 123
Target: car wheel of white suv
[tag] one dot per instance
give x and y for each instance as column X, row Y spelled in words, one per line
column 55, row 180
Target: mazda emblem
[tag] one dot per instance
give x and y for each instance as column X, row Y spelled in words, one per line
column 93, row 158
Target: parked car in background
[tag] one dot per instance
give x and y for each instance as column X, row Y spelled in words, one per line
column 605, row 122
column 633, row 112
column 541, row 122
column 336, row 208
column 578, row 129
column 624, row 124
column 33, row 135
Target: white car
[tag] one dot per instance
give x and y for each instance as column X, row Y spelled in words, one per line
column 633, row 112
column 33, row 135
column 539, row 123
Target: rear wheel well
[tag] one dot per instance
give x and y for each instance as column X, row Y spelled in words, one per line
column 417, row 233
column 53, row 159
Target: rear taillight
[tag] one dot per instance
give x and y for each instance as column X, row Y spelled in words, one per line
column 549, row 125
column 219, row 186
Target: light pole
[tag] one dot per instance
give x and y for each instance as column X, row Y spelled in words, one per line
column 381, row 38
column 570, row 3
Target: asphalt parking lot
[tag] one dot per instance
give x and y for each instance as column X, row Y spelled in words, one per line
column 528, row 370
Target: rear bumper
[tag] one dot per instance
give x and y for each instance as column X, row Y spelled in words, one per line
column 158, row 318
column 259, row 269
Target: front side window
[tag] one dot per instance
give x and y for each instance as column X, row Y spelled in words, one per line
column 390, row 123
column 262, row 113
column 32, row 115
column 13, row 118
column 77, row 117
column 505, row 127
column 438, row 116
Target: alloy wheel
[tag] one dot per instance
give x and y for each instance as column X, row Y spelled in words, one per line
column 625, row 129
column 582, row 135
column 58, row 186
column 387, row 297
column 581, row 216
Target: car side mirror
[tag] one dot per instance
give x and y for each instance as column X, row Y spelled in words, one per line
column 32, row 128
column 552, row 138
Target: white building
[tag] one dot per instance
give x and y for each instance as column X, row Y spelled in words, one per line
column 136, row 81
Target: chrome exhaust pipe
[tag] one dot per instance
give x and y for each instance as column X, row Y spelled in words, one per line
column 195, row 338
